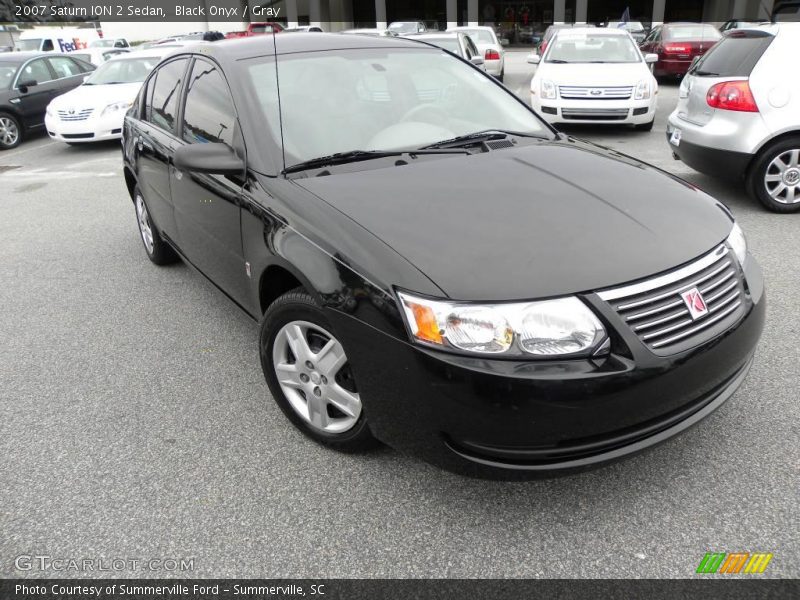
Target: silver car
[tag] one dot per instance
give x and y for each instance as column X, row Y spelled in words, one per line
column 739, row 113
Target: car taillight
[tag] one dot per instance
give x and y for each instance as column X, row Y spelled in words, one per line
column 676, row 49
column 491, row 55
column 732, row 95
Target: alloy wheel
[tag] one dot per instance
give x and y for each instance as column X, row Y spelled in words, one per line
column 313, row 373
column 782, row 178
column 9, row 132
column 144, row 224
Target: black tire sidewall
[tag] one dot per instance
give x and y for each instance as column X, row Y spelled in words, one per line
column 755, row 179
column 20, row 131
column 298, row 305
column 162, row 253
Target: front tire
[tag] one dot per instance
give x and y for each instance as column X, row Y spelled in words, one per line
column 774, row 178
column 308, row 373
column 158, row 251
column 10, row 131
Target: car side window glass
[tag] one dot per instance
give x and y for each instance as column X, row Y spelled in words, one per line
column 35, row 71
column 473, row 50
column 165, row 95
column 209, row 115
column 64, row 67
column 47, row 46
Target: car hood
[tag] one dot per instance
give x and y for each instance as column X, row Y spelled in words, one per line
column 593, row 74
column 96, row 96
column 541, row 220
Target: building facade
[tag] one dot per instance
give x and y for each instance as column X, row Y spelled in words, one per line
column 539, row 13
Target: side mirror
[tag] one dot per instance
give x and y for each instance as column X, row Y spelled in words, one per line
column 477, row 60
column 214, row 158
column 651, row 58
column 24, row 85
column 534, row 59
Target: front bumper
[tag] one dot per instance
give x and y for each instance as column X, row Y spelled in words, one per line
column 93, row 129
column 596, row 112
column 509, row 418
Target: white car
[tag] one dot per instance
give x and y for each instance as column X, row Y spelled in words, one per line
column 95, row 110
column 594, row 75
column 97, row 56
column 494, row 55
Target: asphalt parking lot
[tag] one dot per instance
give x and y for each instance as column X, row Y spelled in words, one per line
column 136, row 421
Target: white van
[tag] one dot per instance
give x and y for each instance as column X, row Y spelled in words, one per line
column 55, row 40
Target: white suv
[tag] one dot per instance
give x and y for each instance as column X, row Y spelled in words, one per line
column 738, row 113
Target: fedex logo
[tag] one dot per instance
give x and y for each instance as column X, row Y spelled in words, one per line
column 71, row 45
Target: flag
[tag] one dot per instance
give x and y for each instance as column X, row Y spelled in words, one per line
column 626, row 16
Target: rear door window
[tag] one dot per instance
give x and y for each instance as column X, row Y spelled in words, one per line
column 734, row 56
column 64, row 67
column 165, row 95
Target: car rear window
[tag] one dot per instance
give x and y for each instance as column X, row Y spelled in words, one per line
column 691, row 32
column 734, row 56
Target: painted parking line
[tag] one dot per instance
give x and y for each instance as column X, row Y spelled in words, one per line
column 7, row 154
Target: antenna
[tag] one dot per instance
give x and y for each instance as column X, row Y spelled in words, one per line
column 280, row 108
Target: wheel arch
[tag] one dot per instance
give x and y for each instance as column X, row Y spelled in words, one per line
column 766, row 144
column 279, row 277
column 130, row 180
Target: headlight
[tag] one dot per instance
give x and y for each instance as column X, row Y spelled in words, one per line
column 738, row 243
column 642, row 90
column 548, row 328
column 49, row 111
column 115, row 107
column 548, row 89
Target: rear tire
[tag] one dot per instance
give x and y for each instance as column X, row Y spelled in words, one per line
column 11, row 131
column 774, row 177
column 158, row 251
column 307, row 371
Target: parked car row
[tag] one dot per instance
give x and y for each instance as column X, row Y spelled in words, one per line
column 738, row 114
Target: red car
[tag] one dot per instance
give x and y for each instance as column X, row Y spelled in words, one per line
column 677, row 45
column 256, row 29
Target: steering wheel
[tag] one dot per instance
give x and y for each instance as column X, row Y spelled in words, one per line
column 437, row 113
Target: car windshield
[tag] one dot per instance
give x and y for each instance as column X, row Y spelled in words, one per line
column 691, row 32
column 480, row 36
column 129, row 70
column 7, row 72
column 28, row 45
column 592, row 48
column 102, row 44
column 380, row 100
column 404, row 27
column 450, row 44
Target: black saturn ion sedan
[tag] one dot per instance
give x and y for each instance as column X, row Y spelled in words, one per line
column 432, row 265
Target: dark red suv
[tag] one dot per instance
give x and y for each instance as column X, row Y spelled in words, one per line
column 677, row 45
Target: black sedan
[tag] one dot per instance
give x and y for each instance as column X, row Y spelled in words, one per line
column 28, row 81
column 361, row 198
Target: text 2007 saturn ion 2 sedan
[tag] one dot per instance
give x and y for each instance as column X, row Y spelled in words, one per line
column 431, row 264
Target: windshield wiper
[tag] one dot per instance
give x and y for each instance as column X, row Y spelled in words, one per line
column 558, row 61
column 702, row 73
column 487, row 134
column 341, row 158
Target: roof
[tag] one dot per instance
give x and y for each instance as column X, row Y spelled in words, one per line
column 260, row 45
column 21, row 56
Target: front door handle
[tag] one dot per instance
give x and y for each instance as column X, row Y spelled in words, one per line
column 142, row 145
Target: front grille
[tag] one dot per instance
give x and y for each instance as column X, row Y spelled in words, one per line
column 75, row 115
column 595, row 114
column 595, row 93
column 656, row 312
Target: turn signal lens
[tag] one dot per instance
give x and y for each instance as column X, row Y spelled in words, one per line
column 732, row 95
column 427, row 325
column 550, row 328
